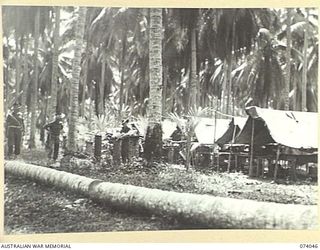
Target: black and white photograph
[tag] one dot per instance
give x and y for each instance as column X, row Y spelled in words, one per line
column 121, row 119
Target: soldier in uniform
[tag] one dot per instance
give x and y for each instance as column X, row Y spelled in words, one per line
column 14, row 131
column 54, row 128
column 125, row 141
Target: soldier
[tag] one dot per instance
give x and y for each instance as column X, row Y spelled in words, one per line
column 14, row 131
column 54, row 128
column 125, row 141
column 177, row 134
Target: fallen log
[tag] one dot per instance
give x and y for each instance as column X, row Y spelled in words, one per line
column 205, row 210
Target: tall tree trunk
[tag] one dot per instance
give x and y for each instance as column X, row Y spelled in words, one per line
column 91, row 104
column 305, row 68
column 101, row 86
column 86, row 67
column 288, row 60
column 74, row 110
column 224, row 87
column 164, row 91
column 153, row 143
column 55, row 61
column 6, row 78
column 193, row 72
column 122, row 69
column 229, row 78
column 229, row 85
column 24, row 110
column 17, row 62
column 25, row 76
column 34, row 99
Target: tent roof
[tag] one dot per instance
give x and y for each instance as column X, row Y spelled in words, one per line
column 290, row 128
column 236, row 123
column 205, row 129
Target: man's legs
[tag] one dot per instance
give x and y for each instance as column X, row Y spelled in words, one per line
column 10, row 150
column 50, row 147
column 56, row 149
column 17, row 143
column 10, row 142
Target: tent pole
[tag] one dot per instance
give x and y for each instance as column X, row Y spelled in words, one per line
column 293, row 169
column 277, row 167
column 215, row 126
column 251, row 150
column 214, row 137
column 232, row 141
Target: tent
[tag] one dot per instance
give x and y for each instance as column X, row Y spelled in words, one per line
column 208, row 130
column 289, row 128
column 296, row 132
column 235, row 126
column 168, row 127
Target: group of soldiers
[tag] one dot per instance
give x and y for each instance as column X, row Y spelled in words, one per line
column 15, row 129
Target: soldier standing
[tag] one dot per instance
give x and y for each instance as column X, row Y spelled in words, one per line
column 125, row 141
column 54, row 128
column 14, row 131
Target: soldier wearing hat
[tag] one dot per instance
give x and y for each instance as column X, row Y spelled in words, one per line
column 14, row 131
column 54, row 128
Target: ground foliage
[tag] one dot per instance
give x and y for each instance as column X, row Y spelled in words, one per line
column 195, row 180
column 32, row 207
column 36, row 208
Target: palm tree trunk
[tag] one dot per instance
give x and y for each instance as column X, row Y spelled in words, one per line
column 101, row 89
column 305, row 68
column 288, row 60
column 224, row 87
column 207, row 211
column 74, row 91
column 84, row 85
column 55, row 61
column 122, row 69
column 193, row 72
column 91, row 104
column 24, row 110
column 86, row 67
column 18, row 66
column 164, row 91
column 153, row 143
column 25, row 77
column 6, row 79
column 229, row 88
column 229, row 85
column 34, row 99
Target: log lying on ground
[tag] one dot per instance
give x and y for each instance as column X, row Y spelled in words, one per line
column 207, row 211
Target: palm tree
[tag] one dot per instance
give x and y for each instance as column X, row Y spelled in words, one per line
column 34, row 99
column 123, row 34
column 55, row 62
column 260, row 75
column 236, row 29
column 305, row 68
column 304, row 54
column 193, row 102
column 75, row 79
column 288, row 60
column 153, row 143
column 18, row 60
column 26, row 78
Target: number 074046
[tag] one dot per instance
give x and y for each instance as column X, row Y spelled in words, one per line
column 309, row 246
